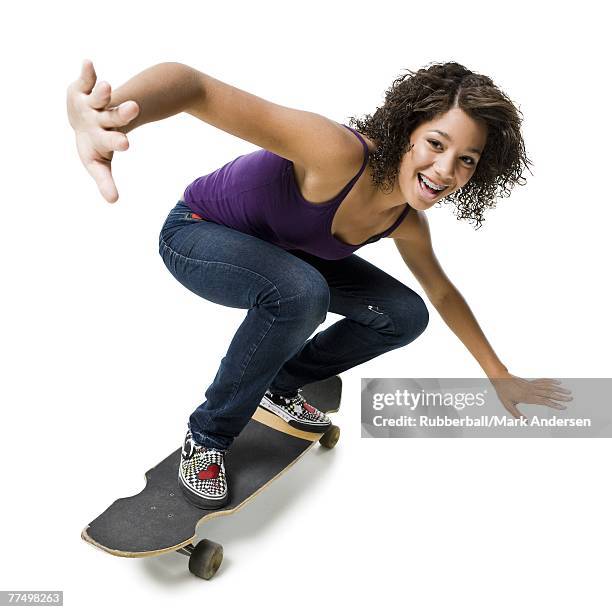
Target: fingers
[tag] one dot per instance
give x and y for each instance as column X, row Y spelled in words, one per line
column 87, row 78
column 100, row 95
column 547, row 385
column 544, row 392
column 547, row 400
column 560, row 391
column 554, row 395
column 554, row 405
column 120, row 116
column 513, row 410
column 100, row 171
column 540, row 391
column 108, row 140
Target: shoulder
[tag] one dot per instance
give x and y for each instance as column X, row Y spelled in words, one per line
column 325, row 175
column 340, row 149
column 414, row 228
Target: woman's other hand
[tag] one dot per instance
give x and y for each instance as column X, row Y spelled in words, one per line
column 513, row 390
column 97, row 127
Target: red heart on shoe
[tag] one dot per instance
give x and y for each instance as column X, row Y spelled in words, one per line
column 212, row 471
column 309, row 408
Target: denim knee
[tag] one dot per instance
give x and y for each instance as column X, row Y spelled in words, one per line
column 307, row 298
column 410, row 318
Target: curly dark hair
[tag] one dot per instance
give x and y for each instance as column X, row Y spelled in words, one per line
column 417, row 97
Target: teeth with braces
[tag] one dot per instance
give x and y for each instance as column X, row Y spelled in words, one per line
column 430, row 184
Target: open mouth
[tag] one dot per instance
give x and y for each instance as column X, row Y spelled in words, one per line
column 427, row 190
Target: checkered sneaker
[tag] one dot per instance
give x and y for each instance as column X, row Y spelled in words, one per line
column 296, row 411
column 202, row 474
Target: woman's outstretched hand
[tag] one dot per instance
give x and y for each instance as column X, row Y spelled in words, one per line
column 95, row 126
column 513, row 390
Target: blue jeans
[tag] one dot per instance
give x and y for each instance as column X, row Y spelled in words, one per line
column 287, row 295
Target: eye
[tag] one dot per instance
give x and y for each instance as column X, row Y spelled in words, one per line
column 468, row 160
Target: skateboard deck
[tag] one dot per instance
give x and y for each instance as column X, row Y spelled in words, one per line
column 159, row 519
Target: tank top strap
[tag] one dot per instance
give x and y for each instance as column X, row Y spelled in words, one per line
column 397, row 223
column 366, row 156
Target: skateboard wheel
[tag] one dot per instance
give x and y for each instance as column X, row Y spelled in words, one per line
column 330, row 437
column 205, row 559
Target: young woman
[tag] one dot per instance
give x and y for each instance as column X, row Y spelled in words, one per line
column 275, row 231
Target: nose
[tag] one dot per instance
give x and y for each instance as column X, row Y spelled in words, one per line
column 444, row 170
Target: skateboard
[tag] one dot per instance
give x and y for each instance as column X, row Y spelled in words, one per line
column 159, row 519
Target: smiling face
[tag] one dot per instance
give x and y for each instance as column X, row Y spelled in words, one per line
column 445, row 152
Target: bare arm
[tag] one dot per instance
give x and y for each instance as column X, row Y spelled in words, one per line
column 161, row 91
column 101, row 119
column 417, row 252
column 414, row 244
column 170, row 88
column 456, row 313
column 318, row 144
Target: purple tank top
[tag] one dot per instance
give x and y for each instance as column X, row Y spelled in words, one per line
column 257, row 194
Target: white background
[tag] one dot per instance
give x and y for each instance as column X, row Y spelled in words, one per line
column 105, row 354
